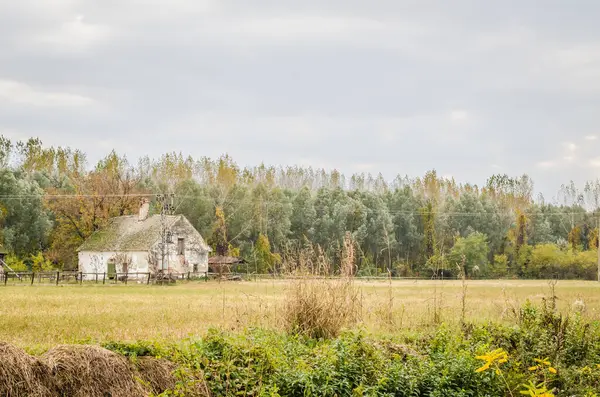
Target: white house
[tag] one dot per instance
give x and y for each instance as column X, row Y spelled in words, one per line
column 132, row 244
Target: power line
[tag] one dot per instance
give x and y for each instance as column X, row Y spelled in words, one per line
column 391, row 212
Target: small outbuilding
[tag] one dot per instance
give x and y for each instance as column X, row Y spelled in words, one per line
column 221, row 264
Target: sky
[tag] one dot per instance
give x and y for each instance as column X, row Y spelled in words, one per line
column 470, row 88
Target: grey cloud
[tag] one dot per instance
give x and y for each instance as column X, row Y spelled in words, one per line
column 349, row 84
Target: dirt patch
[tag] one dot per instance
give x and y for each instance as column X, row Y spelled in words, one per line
column 92, row 371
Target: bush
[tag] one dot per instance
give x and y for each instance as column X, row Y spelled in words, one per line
column 16, row 264
column 441, row 362
column 549, row 260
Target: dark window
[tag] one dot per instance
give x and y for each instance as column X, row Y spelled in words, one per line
column 180, row 246
column 195, row 268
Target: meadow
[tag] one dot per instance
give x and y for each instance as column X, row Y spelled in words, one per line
column 302, row 337
column 38, row 317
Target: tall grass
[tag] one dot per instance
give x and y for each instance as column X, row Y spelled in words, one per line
column 320, row 307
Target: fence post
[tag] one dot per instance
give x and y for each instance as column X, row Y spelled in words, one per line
column 57, row 276
column 126, row 277
column 5, row 278
column 148, row 282
column 206, row 277
column 32, row 277
column 188, row 276
column 96, row 277
column 103, row 278
column 80, row 278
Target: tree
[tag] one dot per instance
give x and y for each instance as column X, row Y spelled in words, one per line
column 474, row 249
column 265, row 259
column 428, row 219
column 219, row 235
column 24, row 222
column 302, row 218
column 88, row 201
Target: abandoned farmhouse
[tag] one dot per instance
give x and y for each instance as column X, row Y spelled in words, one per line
column 145, row 243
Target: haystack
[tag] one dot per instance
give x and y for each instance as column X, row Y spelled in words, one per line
column 23, row 375
column 92, row 371
column 156, row 374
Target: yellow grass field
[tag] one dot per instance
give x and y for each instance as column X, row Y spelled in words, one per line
column 37, row 317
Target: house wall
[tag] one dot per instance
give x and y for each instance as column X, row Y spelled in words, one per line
column 195, row 257
column 192, row 260
column 97, row 262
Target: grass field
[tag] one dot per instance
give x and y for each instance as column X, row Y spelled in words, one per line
column 38, row 317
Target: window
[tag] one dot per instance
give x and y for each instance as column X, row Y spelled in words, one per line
column 180, row 246
column 195, row 268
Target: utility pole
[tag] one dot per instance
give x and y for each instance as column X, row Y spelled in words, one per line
column 166, row 209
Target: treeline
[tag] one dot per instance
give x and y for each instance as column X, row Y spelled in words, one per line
column 51, row 200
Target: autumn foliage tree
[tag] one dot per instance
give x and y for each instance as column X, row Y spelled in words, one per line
column 51, row 200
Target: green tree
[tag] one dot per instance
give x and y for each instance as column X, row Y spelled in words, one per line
column 265, row 259
column 428, row 220
column 24, row 223
column 302, row 219
column 474, row 249
column 219, row 234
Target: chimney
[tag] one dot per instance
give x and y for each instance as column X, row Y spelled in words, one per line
column 144, row 209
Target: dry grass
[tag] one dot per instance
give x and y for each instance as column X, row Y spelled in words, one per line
column 91, row 371
column 40, row 317
column 320, row 308
column 23, row 375
column 156, row 374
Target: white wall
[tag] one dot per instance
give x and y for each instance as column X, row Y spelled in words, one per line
column 192, row 258
column 97, row 262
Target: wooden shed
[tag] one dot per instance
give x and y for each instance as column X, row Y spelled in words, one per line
column 223, row 264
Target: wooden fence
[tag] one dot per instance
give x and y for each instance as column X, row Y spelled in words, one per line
column 75, row 278
column 66, row 277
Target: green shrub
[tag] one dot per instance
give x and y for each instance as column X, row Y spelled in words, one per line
column 444, row 362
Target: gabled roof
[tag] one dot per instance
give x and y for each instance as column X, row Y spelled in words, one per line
column 127, row 233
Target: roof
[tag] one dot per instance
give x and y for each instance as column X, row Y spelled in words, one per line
column 128, row 233
column 225, row 260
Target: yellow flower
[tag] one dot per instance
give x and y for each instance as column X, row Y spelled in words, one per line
column 534, row 368
column 552, row 370
column 544, row 361
column 496, row 357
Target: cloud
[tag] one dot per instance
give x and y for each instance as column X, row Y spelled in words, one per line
column 571, row 146
column 545, row 164
column 459, row 115
column 591, row 137
column 401, row 86
column 23, row 94
column 595, row 162
column 74, row 35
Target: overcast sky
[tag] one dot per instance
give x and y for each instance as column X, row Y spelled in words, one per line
column 468, row 87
